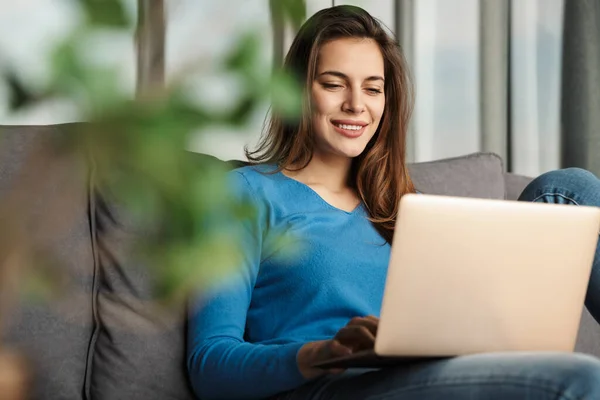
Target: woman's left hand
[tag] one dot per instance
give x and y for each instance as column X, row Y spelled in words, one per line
column 359, row 333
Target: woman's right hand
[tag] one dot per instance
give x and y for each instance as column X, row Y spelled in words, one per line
column 358, row 334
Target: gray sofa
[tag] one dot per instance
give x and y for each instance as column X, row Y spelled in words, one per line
column 99, row 338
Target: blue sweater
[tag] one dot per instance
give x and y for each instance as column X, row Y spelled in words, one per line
column 244, row 335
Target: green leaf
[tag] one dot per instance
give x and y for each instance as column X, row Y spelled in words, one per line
column 295, row 11
column 245, row 57
column 20, row 96
column 286, row 95
column 67, row 70
column 106, row 13
column 292, row 11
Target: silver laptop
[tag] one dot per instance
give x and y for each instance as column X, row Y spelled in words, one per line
column 472, row 275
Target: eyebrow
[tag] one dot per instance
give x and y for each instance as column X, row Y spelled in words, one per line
column 344, row 76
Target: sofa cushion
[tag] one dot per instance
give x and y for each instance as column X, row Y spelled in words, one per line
column 475, row 175
column 50, row 188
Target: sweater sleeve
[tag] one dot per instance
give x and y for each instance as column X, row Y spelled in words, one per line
column 220, row 363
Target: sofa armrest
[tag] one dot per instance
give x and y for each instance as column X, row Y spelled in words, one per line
column 588, row 340
column 514, row 185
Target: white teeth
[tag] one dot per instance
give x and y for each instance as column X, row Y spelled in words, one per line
column 350, row 127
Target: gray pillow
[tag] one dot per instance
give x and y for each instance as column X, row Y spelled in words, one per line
column 139, row 351
column 475, row 175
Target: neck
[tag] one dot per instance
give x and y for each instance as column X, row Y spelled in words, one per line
column 331, row 172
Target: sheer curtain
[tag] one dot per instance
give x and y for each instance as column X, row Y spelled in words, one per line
column 580, row 119
column 536, row 37
column 446, row 54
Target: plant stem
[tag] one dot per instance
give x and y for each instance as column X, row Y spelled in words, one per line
column 151, row 32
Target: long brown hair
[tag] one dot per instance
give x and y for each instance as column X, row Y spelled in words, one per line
column 379, row 175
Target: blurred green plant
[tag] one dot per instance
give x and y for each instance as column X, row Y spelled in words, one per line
column 292, row 12
column 138, row 146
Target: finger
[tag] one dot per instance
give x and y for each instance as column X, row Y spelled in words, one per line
column 369, row 323
column 372, row 318
column 336, row 371
column 356, row 337
column 337, row 349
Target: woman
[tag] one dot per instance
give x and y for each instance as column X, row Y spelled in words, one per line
column 333, row 180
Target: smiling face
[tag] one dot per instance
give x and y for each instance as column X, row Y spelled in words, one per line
column 347, row 96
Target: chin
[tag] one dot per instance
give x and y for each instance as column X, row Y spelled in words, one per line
column 344, row 148
column 351, row 153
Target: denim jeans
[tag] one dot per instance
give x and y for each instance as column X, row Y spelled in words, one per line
column 492, row 376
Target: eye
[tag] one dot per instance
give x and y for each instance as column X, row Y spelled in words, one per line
column 374, row 91
column 332, row 86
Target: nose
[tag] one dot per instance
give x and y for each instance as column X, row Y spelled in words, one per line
column 354, row 102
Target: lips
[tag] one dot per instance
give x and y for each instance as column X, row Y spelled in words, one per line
column 349, row 128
